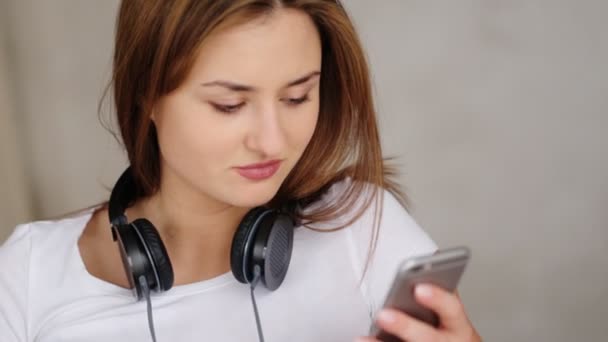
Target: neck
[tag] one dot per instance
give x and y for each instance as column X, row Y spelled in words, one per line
column 182, row 220
column 196, row 229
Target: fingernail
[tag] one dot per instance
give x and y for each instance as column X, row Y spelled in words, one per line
column 424, row 291
column 386, row 316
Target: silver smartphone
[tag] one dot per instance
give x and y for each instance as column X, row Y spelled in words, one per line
column 443, row 268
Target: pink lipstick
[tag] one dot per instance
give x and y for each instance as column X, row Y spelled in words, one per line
column 259, row 171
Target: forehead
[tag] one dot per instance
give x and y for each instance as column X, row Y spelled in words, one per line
column 263, row 52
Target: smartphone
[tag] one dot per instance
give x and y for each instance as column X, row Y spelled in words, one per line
column 443, row 268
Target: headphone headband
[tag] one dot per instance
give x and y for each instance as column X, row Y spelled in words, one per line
column 122, row 195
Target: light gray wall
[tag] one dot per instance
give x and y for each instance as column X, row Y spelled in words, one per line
column 62, row 56
column 14, row 202
column 497, row 110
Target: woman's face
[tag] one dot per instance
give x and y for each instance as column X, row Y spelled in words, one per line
column 239, row 106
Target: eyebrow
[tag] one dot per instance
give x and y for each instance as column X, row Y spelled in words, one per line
column 245, row 88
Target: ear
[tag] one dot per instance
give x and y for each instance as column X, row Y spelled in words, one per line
column 154, row 113
column 153, row 116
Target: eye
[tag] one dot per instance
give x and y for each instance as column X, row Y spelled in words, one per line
column 234, row 108
column 227, row 108
column 295, row 102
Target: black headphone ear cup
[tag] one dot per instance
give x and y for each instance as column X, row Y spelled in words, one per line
column 239, row 244
column 275, row 254
column 134, row 258
column 158, row 253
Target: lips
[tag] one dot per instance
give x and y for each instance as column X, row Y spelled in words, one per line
column 259, row 171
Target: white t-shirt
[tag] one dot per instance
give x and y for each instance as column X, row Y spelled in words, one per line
column 47, row 295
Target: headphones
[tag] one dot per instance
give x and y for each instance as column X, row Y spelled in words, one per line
column 261, row 245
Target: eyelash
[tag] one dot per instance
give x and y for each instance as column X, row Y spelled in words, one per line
column 233, row 109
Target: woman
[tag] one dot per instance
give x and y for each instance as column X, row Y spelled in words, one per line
column 225, row 106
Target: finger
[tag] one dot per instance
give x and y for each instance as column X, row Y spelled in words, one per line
column 366, row 339
column 447, row 305
column 405, row 327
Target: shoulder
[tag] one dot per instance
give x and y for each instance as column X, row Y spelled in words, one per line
column 386, row 222
column 32, row 251
column 38, row 245
column 394, row 222
column 16, row 248
column 40, row 236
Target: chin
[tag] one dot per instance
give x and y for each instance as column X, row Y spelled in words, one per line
column 250, row 201
column 252, row 197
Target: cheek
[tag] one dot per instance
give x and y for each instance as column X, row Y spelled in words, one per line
column 302, row 130
column 192, row 139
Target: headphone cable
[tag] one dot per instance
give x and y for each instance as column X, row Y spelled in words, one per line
column 146, row 293
column 254, row 283
column 256, row 278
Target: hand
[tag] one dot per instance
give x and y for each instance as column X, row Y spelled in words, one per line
column 454, row 324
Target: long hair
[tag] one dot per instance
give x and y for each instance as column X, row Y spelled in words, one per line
column 156, row 44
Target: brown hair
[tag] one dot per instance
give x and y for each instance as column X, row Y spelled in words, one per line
column 156, row 44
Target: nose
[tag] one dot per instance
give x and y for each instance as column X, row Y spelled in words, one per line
column 267, row 134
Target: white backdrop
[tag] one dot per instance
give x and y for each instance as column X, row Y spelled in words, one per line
column 497, row 110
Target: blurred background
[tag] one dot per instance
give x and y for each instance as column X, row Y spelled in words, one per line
column 496, row 109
